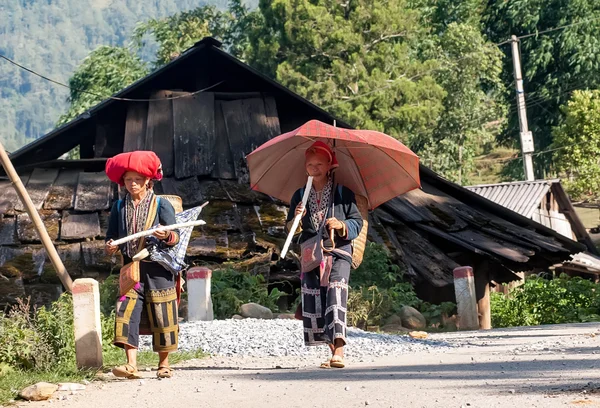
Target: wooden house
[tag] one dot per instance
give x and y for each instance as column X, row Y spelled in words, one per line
column 546, row 202
column 207, row 111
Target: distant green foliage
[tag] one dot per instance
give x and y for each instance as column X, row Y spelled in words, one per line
column 578, row 139
column 232, row 288
column 53, row 38
column 553, row 64
column 104, row 72
column 542, row 301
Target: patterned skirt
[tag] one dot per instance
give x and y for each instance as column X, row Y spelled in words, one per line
column 324, row 307
column 150, row 309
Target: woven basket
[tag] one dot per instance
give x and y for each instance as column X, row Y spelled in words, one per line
column 175, row 201
column 360, row 242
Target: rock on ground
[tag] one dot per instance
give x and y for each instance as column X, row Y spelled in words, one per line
column 255, row 311
column 39, row 392
column 412, row 318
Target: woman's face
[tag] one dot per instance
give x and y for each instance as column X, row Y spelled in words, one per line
column 135, row 183
column 317, row 165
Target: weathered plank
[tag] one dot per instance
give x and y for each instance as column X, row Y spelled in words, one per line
column 95, row 257
column 38, row 186
column 208, row 244
column 8, row 231
column 26, row 229
column 431, row 263
column 224, row 168
column 136, row 126
column 497, row 246
column 8, row 195
column 79, row 226
column 62, row 192
column 109, row 133
column 262, row 126
column 93, row 192
column 104, row 218
column 159, row 132
column 272, row 117
column 247, row 128
column 194, row 134
column 238, row 134
column 188, row 189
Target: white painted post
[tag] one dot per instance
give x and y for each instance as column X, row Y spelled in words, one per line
column 200, row 305
column 466, row 300
column 88, row 329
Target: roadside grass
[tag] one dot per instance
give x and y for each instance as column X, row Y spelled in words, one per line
column 13, row 381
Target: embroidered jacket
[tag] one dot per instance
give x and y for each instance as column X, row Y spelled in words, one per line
column 345, row 210
column 118, row 229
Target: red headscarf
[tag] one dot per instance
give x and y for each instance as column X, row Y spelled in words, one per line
column 323, row 149
column 144, row 162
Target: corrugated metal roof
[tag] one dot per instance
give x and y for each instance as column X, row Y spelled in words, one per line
column 522, row 197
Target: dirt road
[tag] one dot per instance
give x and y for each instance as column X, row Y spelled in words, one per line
column 551, row 366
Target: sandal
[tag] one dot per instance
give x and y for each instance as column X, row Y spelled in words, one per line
column 164, row 372
column 325, row 365
column 126, row 371
column 337, row 362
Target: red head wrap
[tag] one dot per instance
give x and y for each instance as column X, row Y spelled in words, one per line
column 323, row 149
column 144, row 162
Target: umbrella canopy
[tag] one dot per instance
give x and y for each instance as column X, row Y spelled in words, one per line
column 371, row 164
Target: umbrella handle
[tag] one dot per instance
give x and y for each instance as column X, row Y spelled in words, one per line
column 331, row 236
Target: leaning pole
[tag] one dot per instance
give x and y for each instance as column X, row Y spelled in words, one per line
column 62, row 273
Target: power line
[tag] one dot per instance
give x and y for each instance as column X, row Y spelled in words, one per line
column 115, row 98
column 557, row 28
column 506, row 160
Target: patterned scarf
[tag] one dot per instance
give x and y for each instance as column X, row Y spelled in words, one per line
column 318, row 209
column 135, row 219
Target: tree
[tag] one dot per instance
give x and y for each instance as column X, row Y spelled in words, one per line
column 470, row 74
column 577, row 141
column 104, row 72
column 555, row 63
column 359, row 60
column 177, row 33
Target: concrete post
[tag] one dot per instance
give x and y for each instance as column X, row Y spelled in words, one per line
column 200, row 305
column 466, row 301
column 88, row 329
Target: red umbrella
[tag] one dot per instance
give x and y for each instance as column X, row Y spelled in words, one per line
column 372, row 164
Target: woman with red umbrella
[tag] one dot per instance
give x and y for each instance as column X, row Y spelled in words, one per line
column 326, row 258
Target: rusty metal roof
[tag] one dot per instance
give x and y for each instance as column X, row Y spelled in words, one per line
column 522, row 197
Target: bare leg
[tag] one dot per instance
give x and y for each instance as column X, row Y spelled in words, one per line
column 338, row 348
column 131, row 353
column 163, row 359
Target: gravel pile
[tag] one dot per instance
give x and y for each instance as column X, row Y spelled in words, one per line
column 283, row 337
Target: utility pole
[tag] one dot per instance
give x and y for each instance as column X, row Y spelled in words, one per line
column 527, row 147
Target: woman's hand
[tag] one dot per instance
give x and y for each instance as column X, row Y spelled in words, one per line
column 163, row 235
column 334, row 224
column 110, row 248
column 300, row 209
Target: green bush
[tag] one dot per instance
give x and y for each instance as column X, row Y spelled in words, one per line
column 547, row 301
column 23, row 345
column 109, row 291
column 232, row 288
column 378, row 289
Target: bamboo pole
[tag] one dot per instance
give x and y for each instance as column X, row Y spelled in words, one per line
column 62, row 273
column 297, row 219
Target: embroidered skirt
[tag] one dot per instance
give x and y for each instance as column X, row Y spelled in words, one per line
column 324, row 307
column 150, row 309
